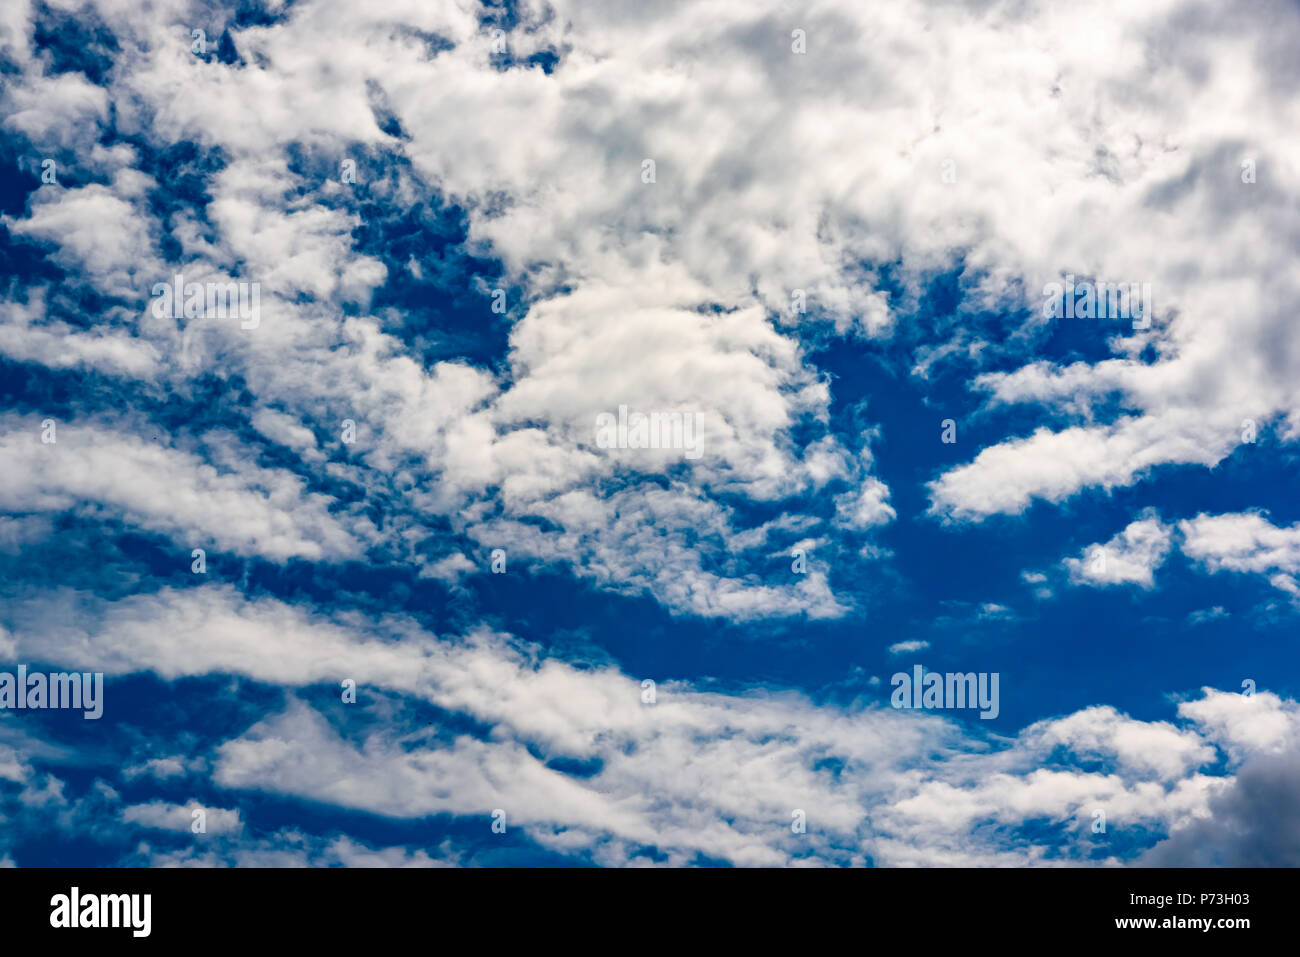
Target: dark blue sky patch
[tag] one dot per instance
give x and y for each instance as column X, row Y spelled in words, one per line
column 74, row 42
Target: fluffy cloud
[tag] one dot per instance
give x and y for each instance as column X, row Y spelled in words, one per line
column 1244, row 542
column 219, row 498
column 798, row 198
column 679, row 293
column 710, row 773
column 177, row 817
column 1130, row 558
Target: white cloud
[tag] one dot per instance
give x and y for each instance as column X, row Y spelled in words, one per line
column 1244, row 542
column 233, row 503
column 1202, row 615
column 906, row 647
column 62, row 110
column 706, row 772
column 181, row 817
column 161, row 768
column 1259, row 722
column 1146, row 747
column 291, row 848
column 1106, row 141
column 1130, row 558
column 96, row 231
column 750, row 204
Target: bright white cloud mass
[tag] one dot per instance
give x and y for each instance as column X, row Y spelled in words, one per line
column 823, row 231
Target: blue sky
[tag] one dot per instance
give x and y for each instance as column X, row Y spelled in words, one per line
column 823, row 235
